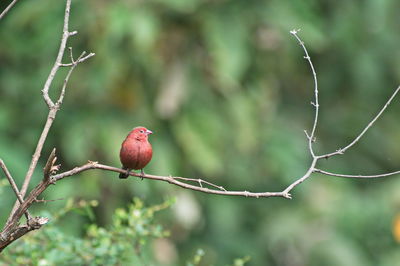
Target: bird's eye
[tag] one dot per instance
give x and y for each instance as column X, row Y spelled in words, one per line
column 141, row 131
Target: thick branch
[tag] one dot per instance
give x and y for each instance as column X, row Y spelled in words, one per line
column 11, row 229
column 172, row 180
column 21, row 230
column 35, row 158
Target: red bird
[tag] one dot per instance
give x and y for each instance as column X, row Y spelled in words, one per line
column 136, row 151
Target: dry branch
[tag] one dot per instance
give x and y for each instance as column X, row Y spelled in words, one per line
column 356, row 139
column 172, row 180
column 356, row 176
column 13, row 185
column 12, row 230
column 53, row 107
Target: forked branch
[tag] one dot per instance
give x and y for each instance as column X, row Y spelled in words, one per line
column 53, row 107
column 12, row 230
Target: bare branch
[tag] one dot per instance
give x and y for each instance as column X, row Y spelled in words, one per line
column 311, row 137
column 53, row 108
column 35, row 157
column 74, row 64
column 78, row 60
column 60, row 54
column 172, row 180
column 342, row 150
column 13, row 185
column 200, row 182
column 11, row 227
column 33, row 224
column 356, row 176
column 303, row 178
column 71, row 56
column 5, row 11
column 62, row 94
column 48, row 101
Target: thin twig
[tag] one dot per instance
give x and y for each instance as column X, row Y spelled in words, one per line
column 78, row 60
column 71, row 56
column 45, row 201
column 56, row 66
column 200, row 182
column 342, row 150
column 5, row 11
column 356, row 176
column 311, row 137
column 62, row 94
column 14, row 186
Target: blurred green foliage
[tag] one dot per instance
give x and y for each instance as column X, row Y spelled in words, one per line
column 226, row 90
column 124, row 243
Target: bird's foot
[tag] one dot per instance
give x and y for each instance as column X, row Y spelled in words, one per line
column 124, row 176
column 142, row 173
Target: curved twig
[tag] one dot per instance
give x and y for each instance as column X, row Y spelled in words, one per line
column 311, row 137
column 342, row 150
column 356, row 176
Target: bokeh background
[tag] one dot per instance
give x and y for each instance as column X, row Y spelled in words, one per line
column 226, row 90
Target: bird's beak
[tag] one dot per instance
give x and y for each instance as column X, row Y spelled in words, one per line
column 149, row 132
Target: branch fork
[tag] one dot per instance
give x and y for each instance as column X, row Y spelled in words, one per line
column 12, row 230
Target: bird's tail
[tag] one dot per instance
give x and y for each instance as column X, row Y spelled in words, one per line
column 124, row 175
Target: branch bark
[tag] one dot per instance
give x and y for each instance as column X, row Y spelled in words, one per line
column 172, row 180
column 12, row 230
column 53, row 107
column 13, row 185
